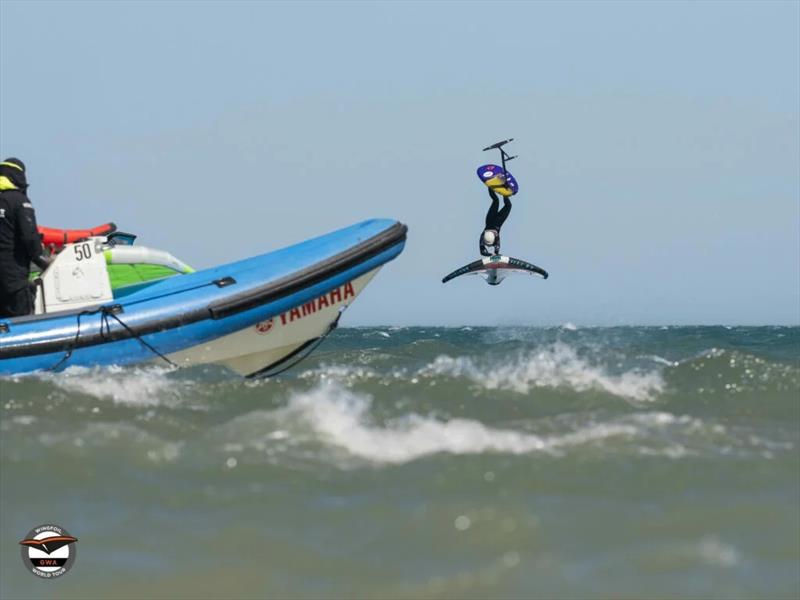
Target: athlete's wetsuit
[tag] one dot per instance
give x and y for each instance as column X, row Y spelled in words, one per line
column 495, row 218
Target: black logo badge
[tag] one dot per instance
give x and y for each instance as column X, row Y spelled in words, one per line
column 49, row 551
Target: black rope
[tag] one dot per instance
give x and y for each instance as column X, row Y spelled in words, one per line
column 68, row 353
column 105, row 312
column 303, row 352
column 109, row 313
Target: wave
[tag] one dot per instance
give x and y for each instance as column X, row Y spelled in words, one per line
column 636, row 376
column 331, row 424
column 143, row 386
column 342, row 419
column 135, row 387
column 557, row 366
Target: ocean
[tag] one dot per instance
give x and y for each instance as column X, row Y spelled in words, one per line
column 421, row 462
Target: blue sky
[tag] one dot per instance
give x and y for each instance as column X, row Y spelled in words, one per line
column 659, row 143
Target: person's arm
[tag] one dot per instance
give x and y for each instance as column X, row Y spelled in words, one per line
column 481, row 247
column 29, row 234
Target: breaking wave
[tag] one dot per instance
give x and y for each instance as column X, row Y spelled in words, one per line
column 146, row 386
column 339, row 418
column 342, row 419
column 556, row 366
column 553, row 367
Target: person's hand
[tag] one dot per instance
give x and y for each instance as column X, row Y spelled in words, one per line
column 43, row 261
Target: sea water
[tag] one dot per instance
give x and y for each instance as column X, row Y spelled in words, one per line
column 421, row 462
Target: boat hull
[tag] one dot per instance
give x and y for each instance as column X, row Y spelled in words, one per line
column 190, row 317
column 269, row 344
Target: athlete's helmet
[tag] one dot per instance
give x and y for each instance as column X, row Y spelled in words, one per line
column 489, row 237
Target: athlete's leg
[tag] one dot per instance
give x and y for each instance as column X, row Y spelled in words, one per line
column 502, row 214
column 492, row 213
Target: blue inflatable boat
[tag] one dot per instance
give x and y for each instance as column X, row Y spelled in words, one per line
column 256, row 316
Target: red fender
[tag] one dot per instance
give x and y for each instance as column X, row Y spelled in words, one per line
column 56, row 238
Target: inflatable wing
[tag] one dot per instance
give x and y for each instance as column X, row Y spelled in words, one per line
column 498, row 179
column 495, row 268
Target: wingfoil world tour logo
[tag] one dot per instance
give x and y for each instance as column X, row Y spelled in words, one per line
column 49, row 551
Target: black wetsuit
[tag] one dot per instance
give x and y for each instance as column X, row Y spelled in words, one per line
column 495, row 217
column 20, row 244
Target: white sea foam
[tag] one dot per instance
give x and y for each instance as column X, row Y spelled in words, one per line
column 24, row 420
column 342, row 373
column 661, row 360
column 714, row 552
column 553, row 367
column 341, row 418
column 144, row 386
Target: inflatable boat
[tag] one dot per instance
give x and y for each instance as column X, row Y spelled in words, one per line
column 257, row 316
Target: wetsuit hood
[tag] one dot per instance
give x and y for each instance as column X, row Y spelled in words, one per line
column 12, row 175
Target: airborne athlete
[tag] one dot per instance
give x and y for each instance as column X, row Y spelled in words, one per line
column 495, row 267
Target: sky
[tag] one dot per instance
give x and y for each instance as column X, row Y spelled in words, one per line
column 659, row 144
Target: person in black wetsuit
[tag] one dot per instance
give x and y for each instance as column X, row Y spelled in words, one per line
column 20, row 243
column 495, row 218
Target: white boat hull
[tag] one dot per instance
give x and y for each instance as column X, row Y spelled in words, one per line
column 256, row 348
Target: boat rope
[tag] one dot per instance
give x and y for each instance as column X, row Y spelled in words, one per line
column 108, row 312
column 68, row 353
column 302, row 352
column 105, row 312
